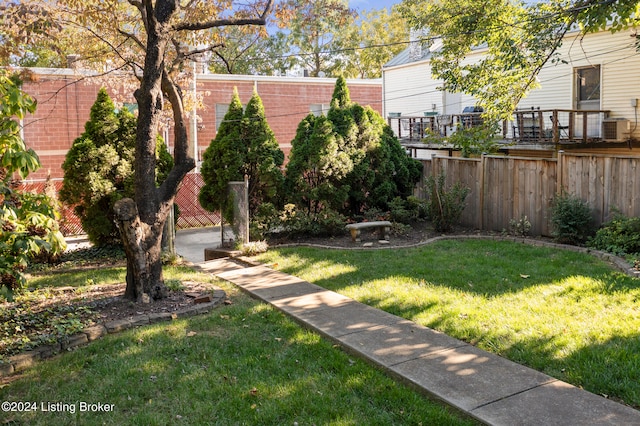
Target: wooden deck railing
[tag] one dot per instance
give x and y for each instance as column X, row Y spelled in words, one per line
column 540, row 126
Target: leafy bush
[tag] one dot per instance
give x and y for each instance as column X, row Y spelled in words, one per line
column 474, row 140
column 98, row 168
column 521, row 227
column 571, row 219
column 445, row 206
column 254, row 247
column 469, row 140
column 264, row 220
column 620, row 236
column 407, row 210
column 322, row 224
column 28, row 222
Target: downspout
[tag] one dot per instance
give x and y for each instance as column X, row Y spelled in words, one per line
column 384, row 96
column 194, row 118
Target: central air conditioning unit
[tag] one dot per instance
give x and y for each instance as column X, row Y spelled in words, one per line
column 615, row 129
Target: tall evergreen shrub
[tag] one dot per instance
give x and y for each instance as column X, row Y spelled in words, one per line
column 98, row 168
column 349, row 161
column 244, row 145
column 223, row 161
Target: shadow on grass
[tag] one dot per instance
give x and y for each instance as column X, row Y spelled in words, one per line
column 560, row 312
column 483, row 267
column 242, row 364
column 610, row 368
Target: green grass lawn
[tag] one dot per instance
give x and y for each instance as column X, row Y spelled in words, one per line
column 244, row 363
column 564, row 313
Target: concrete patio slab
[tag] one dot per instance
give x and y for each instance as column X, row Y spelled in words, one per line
column 468, row 378
column 556, row 403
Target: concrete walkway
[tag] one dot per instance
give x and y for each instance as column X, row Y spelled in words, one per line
column 485, row 386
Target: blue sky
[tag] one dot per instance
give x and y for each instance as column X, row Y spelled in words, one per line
column 372, row 4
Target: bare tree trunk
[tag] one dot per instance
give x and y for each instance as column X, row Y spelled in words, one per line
column 142, row 246
column 141, row 222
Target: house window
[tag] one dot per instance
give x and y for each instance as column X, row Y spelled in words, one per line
column 319, row 109
column 588, row 88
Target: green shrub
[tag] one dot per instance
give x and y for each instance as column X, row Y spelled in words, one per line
column 28, row 222
column 264, row 220
column 473, row 140
column 407, row 210
column 571, row 219
column 520, row 228
column 620, row 236
column 349, row 161
column 254, row 247
column 98, row 168
column 325, row 223
column 445, row 206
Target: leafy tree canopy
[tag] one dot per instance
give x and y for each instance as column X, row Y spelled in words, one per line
column 371, row 41
column 153, row 40
column 517, row 40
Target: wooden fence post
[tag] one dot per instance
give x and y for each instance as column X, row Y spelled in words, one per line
column 483, row 162
column 559, row 172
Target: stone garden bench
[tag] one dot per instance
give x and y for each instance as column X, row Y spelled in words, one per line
column 383, row 227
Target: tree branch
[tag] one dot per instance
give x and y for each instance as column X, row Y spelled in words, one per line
column 195, row 26
column 216, row 23
column 183, row 162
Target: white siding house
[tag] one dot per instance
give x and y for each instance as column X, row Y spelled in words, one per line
column 599, row 71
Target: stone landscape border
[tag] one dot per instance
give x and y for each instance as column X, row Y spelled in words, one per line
column 24, row 360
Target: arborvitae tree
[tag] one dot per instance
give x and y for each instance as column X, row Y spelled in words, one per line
column 263, row 156
column 243, row 145
column 297, row 175
column 98, row 169
column 341, row 117
column 357, row 165
column 317, row 166
column 222, row 162
column 385, row 172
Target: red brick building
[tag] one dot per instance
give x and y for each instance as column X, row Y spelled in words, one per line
column 65, row 99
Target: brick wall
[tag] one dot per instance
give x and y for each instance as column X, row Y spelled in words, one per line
column 64, row 104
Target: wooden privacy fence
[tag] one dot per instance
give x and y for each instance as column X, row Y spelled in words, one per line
column 507, row 188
